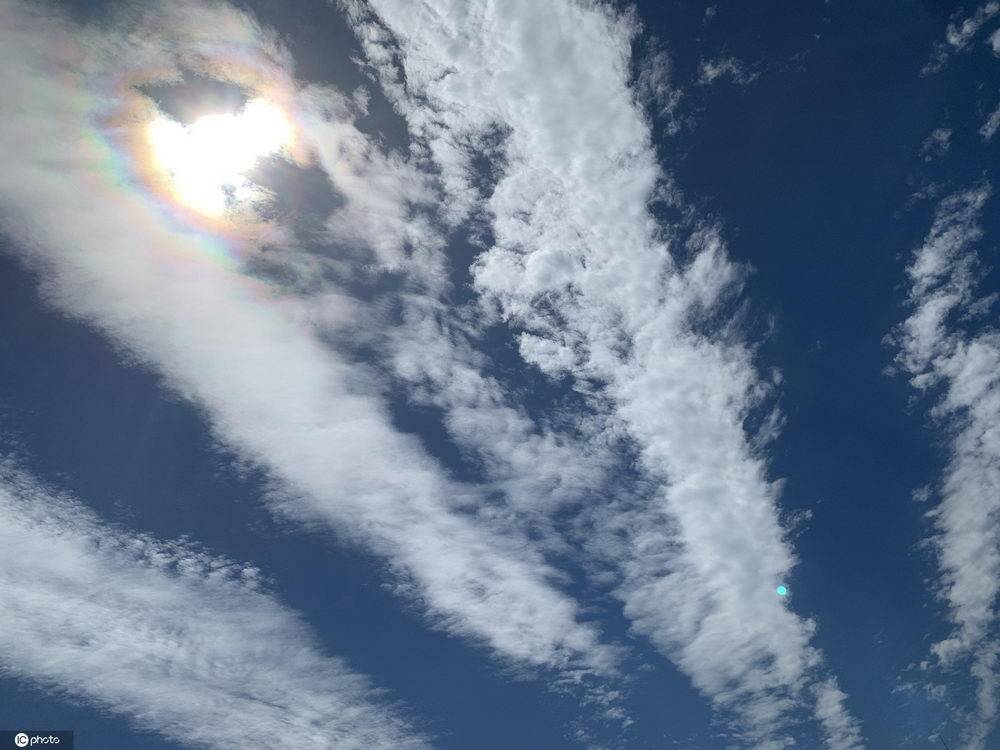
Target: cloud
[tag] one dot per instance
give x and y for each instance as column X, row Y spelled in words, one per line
column 180, row 642
column 936, row 144
column 958, row 34
column 656, row 88
column 539, row 468
column 946, row 350
column 532, row 466
column 178, row 296
column 597, row 290
column 384, row 195
column 710, row 71
column 992, row 124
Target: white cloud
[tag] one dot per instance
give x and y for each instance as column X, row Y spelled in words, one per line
column 942, row 279
column 532, row 468
column 729, row 67
column 180, row 642
column 959, row 33
column 539, row 468
column 656, row 87
column 381, row 192
column 936, row 144
column 598, row 290
column 249, row 354
column 992, row 124
column 943, row 345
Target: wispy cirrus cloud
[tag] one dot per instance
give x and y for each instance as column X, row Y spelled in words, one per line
column 537, row 465
column 947, row 350
column 656, row 85
column 710, row 71
column 178, row 641
column 959, row 33
column 936, row 144
column 180, row 298
column 991, row 125
column 596, row 290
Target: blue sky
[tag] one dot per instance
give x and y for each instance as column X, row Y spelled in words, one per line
column 485, row 379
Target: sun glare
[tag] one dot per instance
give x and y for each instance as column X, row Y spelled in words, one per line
column 207, row 160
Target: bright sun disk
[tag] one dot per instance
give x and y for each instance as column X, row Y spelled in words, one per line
column 207, row 160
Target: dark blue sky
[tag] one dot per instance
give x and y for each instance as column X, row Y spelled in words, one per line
column 812, row 168
column 810, row 171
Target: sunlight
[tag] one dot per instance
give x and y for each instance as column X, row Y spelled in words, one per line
column 207, row 160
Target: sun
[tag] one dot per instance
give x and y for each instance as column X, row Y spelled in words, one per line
column 207, row 160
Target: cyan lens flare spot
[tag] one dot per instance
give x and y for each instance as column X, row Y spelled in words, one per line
column 782, row 590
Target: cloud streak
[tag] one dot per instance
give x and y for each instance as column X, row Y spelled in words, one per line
column 991, row 125
column 180, row 642
column 949, row 353
column 595, row 289
column 179, row 298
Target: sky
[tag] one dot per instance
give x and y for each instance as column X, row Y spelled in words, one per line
column 436, row 374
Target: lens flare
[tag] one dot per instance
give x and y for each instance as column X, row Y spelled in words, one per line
column 207, row 161
column 781, row 590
